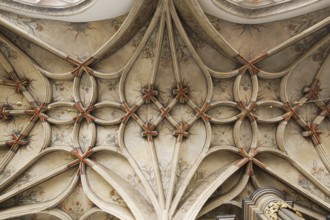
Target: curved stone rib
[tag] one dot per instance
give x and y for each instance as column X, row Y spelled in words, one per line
column 113, row 75
column 325, row 111
column 32, row 38
column 35, row 208
column 247, row 13
column 104, row 105
column 218, row 201
column 255, row 88
column 9, row 68
column 134, row 21
column 116, row 210
column 309, row 212
column 59, row 76
column 292, row 66
column 271, row 103
column 67, row 9
column 194, row 16
column 192, row 51
column 323, row 70
column 56, row 76
column 299, row 36
column 309, row 128
column 57, row 213
column 93, row 99
column 255, row 182
column 5, row 63
column 76, row 90
column 223, row 75
column 226, row 120
column 113, row 149
column 266, row 74
column 174, row 165
column 93, row 130
column 149, row 93
column 222, row 148
column 325, row 158
column 15, row 147
column 47, row 134
column 191, row 207
column 274, row 75
column 55, row 105
column 137, row 52
column 90, row 213
column 105, row 122
column 165, row 112
column 140, row 13
column 296, row 166
column 223, row 121
column 236, row 88
column 34, row 182
column 159, row 43
column 309, row 195
column 151, row 194
column 136, row 202
column 321, row 74
column 170, row 32
column 280, row 136
column 192, row 171
column 4, row 143
column 7, row 113
column 255, row 134
column 237, row 133
column 75, row 136
column 156, row 168
column 34, row 160
column 137, row 17
column 200, row 113
column 127, row 68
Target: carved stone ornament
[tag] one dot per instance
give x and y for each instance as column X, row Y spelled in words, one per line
column 269, row 203
column 272, row 209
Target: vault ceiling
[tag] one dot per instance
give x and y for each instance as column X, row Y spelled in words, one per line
column 164, row 113
column 238, row 11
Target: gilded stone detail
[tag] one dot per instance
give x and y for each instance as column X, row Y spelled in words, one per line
column 272, row 209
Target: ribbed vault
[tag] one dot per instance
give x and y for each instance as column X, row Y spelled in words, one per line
column 165, row 113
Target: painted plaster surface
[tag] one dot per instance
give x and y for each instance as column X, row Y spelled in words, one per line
column 164, row 113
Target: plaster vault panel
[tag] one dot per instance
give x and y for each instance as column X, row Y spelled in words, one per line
column 165, row 113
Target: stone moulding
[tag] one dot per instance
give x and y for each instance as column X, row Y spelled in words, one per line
column 42, row 3
column 14, row 6
column 259, row 12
